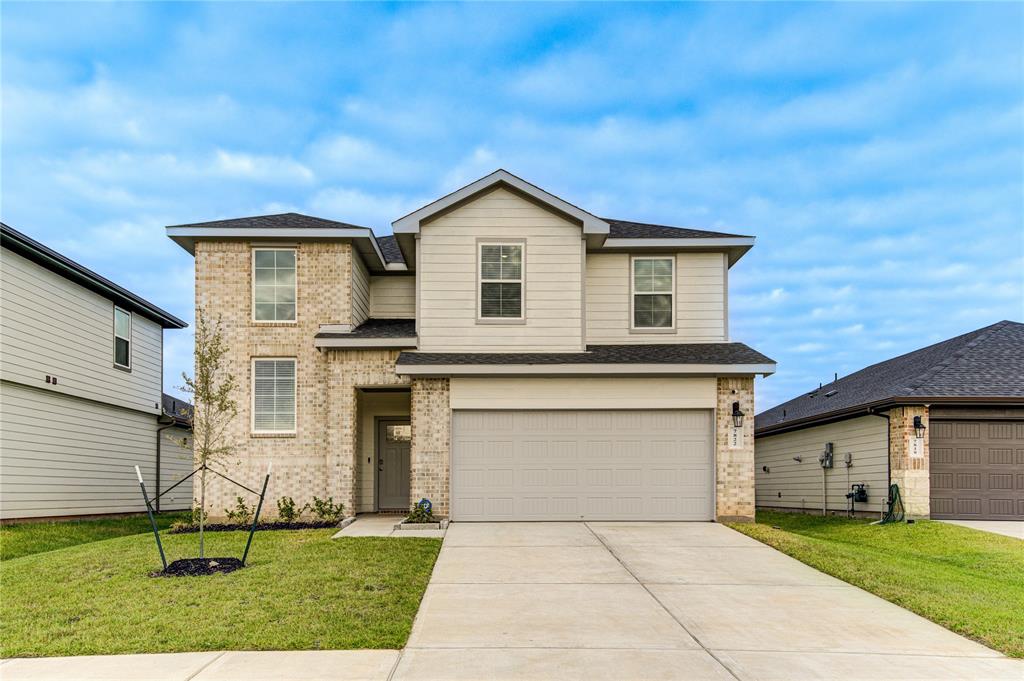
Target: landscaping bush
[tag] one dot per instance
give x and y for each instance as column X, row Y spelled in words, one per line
column 325, row 509
column 287, row 511
column 241, row 514
column 421, row 513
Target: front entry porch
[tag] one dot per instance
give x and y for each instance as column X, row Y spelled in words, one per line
column 384, row 442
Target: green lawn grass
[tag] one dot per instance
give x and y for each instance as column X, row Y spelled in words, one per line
column 968, row 581
column 302, row 590
column 23, row 539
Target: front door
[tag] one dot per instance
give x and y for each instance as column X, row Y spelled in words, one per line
column 394, row 437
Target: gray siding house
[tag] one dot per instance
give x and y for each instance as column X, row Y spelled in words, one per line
column 81, row 370
column 945, row 423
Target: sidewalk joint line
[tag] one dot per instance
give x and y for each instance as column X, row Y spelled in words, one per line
column 204, row 667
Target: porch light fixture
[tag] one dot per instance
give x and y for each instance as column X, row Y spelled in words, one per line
column 918, row 427
column 737, row 415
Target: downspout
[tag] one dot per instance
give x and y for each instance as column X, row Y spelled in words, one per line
column 159, row 437
column 888, row 449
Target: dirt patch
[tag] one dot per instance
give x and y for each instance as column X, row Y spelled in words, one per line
column 235, row 527
column 195, row 567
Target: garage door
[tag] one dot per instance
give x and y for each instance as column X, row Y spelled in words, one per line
column 977, row 470
column 582, row 465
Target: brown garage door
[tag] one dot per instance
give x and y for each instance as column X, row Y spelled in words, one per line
column 977, row 470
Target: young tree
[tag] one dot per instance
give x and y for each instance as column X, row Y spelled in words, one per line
column 213, row 408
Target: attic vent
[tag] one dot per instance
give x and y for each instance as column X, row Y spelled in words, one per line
column 830, row 393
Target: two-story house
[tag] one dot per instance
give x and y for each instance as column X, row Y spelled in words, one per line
column 81, row 400
column 505, row 354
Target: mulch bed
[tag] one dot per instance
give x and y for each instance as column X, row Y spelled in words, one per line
column 234, row 527
column 195, row 567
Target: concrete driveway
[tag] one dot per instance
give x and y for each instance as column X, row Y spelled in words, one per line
column 662, row 601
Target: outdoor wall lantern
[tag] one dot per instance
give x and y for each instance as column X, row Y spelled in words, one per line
column 918, row 428
column 737, row 415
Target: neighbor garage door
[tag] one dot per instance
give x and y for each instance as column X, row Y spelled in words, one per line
column 977, row 470
column 582, row 465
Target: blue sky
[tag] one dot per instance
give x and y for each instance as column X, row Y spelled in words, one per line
column 877, row 151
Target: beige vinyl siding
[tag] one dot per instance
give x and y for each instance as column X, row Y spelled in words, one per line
column 52, row 326
column 360, row 291
column 370, row 406
column 448, row 284
column 800, row 482
column 393, row 297
column 175, row 464
column 582, row 393
column 700, row 300
column 68, row 456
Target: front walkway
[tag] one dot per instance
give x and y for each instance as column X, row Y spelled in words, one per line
column 535, row 601
column 1010, row 528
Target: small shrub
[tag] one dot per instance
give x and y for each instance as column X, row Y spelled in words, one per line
column 198, row 514
column 287, row 511
column 242, row 513
column 325, row 509
column 420, row 513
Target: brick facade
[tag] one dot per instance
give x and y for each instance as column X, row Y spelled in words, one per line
column 734, row 468
column 430, row 460
column 911, row 473
column 224, row 291
column 348, row 371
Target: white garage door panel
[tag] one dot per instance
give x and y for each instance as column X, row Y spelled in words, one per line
column 582, row 465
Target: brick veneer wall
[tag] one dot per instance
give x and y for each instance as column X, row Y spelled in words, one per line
column 430, row 461
column 224, row 290
column 734, row 468
column 350, row 369
column 910, row 473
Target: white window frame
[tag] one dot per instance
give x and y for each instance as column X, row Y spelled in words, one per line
column 480, row 281
column 252, row 297
column 252, row 396
column 131, row 322
column 671, row 328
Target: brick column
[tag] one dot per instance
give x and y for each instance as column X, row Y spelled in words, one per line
column 430, row 463
column 911, row 473
column 734, row 468
column 341, row 433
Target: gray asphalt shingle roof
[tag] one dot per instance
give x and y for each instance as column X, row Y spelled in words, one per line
column 625, row 229
column 377, row 328
column 988, row 362
column 680, row 353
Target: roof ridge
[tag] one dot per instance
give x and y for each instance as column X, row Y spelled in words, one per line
column 983, row 334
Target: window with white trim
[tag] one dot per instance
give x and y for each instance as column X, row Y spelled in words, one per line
column 273, row 291
column 273, row 395
column 122, row 338
column 501, row 281
column 653, row 284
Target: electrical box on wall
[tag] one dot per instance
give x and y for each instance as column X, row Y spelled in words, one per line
column 825, row 458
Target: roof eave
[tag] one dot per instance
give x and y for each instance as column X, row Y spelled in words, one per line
column 881, row 405
column 395, row 343
column 736, row 247
column 580, row 369
column 410, row 224
column 186, row 237
column 81, row 275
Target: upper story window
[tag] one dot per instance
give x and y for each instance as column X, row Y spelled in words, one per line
column 122, row 338
column 273, row 293
column 501, row 281
column 653, row 286
column 273, row 395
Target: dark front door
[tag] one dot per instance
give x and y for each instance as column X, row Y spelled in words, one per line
column 394, row 438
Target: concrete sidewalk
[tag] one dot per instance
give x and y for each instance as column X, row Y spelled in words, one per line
column 314, row 665
column 1009, row 528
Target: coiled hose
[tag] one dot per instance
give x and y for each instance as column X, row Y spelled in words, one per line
column 894, row 514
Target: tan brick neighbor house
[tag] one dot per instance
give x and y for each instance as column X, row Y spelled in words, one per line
column 505, row 354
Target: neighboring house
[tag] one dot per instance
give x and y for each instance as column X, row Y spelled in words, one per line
column 505, row 354
column 80, row 396
column 945, row 423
